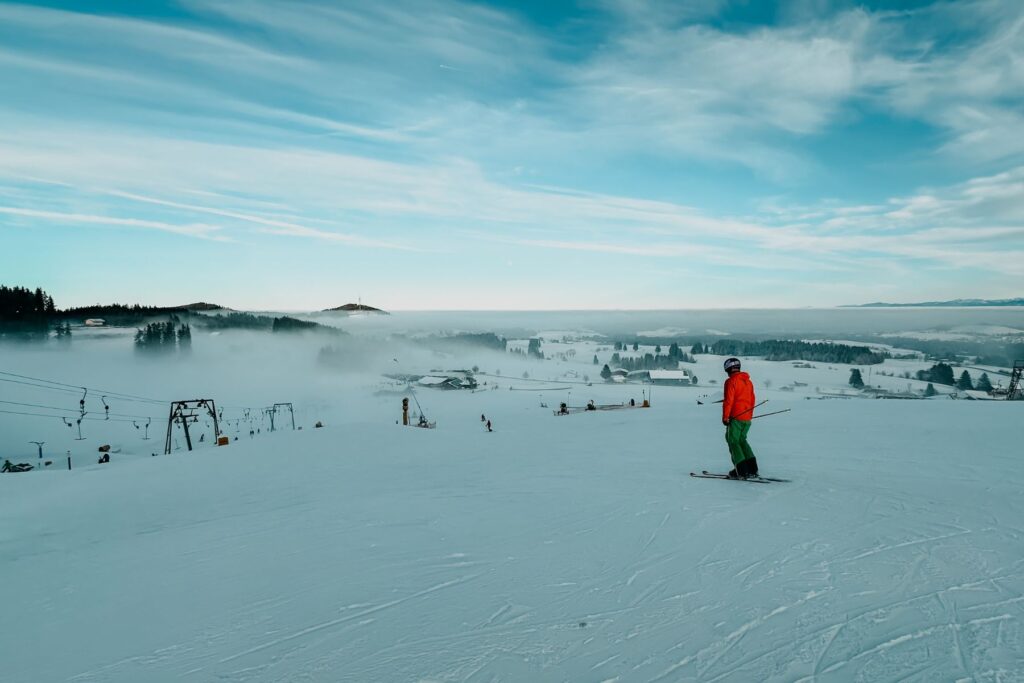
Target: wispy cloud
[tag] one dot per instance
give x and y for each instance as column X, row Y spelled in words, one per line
column 939, row 224
column 273, row 226
column 200, row 230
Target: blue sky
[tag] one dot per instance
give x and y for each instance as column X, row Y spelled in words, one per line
column 448, row 155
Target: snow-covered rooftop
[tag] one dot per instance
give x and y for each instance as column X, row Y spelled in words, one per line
column 670, row 374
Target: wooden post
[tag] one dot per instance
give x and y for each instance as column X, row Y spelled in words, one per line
column 405, row 412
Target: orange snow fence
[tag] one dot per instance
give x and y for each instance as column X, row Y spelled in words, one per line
column 223, row 440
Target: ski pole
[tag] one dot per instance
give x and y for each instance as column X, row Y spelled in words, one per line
column 777, row 412
column 749, row 409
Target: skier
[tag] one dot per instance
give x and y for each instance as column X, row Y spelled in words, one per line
column 489, row 426
column 737, row 411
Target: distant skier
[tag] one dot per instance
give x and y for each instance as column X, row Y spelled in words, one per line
column 737, row 411
column 489, row 426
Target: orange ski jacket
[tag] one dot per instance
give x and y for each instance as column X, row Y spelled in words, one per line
column 739, row 398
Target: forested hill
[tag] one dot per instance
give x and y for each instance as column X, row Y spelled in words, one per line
column 778, row 349
column 355, row 308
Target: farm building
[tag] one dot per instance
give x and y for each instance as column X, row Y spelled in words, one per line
column 456, row 380
column 664, row 377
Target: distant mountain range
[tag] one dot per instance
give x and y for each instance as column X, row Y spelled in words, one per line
column 955, row 303
column 353, row 308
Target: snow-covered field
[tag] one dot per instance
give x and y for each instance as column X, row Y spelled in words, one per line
column 965, row 333
column 554, row 549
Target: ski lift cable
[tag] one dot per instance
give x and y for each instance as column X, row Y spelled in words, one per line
column 75, row 410
column 52, row 385
column 62, row 417
column 78, row 387
column 112, row 394
column 41, row 386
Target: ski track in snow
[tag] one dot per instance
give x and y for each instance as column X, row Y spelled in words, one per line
column 530, row 554
column 335, row 622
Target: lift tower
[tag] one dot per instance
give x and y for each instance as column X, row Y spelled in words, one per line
column 1015, row 391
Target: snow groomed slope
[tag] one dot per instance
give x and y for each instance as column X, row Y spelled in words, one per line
column 548, row 550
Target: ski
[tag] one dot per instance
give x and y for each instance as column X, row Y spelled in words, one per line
column 752, row 480
column 756, row 477
column 755, row 480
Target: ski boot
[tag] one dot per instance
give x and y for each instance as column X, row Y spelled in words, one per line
column 749, row 466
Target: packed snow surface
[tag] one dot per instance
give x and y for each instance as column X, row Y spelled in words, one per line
column 572, row 548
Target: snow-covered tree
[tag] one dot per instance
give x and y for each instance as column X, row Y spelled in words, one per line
column 856, row 381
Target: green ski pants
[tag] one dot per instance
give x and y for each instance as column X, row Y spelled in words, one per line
column 736, row 437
